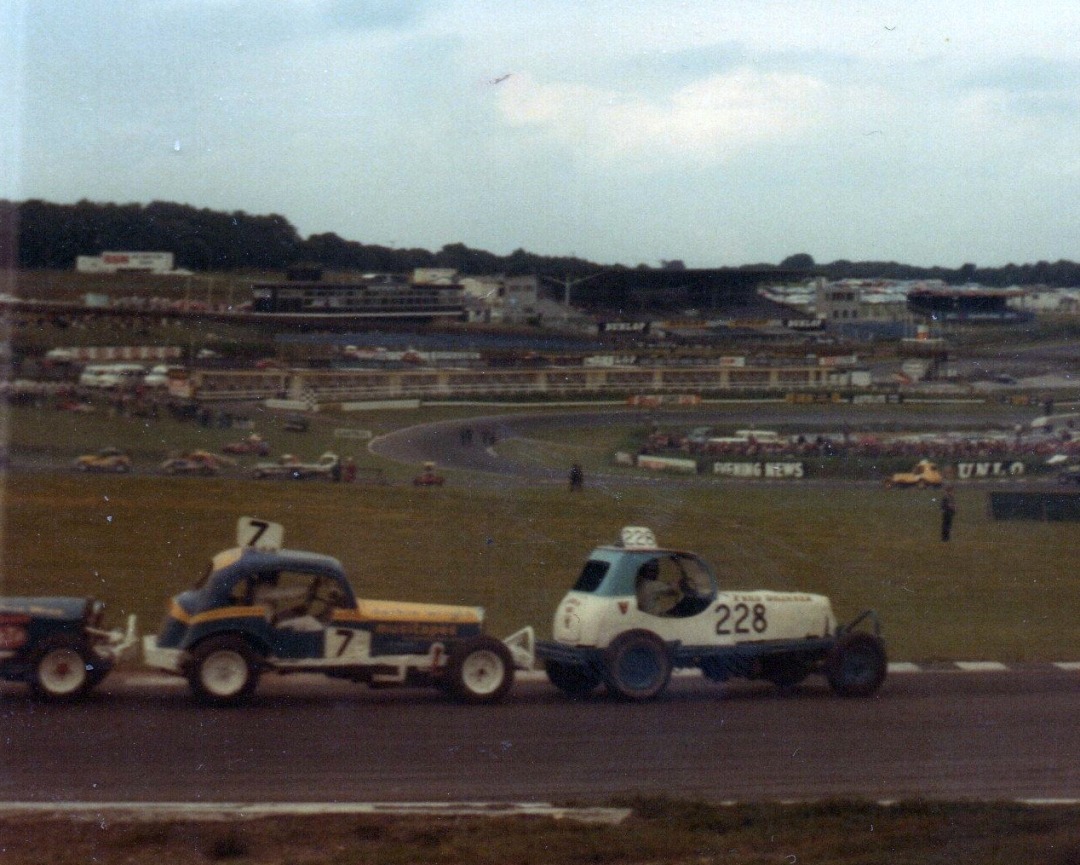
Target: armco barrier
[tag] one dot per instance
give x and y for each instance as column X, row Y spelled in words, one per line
column 1035, row 505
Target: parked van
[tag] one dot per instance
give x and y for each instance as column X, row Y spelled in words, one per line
column 770, row 438
column 112, row 375
column 159, row 375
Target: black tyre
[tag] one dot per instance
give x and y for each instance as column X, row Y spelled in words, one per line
column 857, row 665
column 224, row 670
column 63, row 670
column 638, row 666
column 481, row 670
column 572, row 679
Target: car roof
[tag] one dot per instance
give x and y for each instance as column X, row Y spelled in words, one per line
column 618, row 548
column 269, row 560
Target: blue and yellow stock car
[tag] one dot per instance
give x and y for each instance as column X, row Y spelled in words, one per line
column 281, row 610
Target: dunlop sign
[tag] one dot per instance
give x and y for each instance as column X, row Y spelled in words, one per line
column 780, row 470
column 974, row 471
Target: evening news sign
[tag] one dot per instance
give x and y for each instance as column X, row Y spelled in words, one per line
column 769, row 470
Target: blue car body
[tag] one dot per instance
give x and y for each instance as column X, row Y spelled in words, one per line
column 58, row 645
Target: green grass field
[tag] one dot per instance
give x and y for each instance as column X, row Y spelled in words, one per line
column 1000, row 590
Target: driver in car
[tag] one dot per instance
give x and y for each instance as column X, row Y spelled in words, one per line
column 654, row 596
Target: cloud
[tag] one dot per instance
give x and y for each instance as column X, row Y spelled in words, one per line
column 375, row 14
column 706, row 121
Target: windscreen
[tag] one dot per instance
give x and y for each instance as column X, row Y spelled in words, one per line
column 592, row 575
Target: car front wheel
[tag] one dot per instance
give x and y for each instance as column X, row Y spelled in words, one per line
column 224, row 671
column 857, row 665
column 638, row 666
column 481, row 670
column 62, row 670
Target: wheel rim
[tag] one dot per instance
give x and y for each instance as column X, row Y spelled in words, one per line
column 483, row 672
column 62, row 671
column 224, row 673
column 639, row 668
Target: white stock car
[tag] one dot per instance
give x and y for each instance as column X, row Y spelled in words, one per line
column 637, row 611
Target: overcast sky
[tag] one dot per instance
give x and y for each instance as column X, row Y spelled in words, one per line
column 719, row 133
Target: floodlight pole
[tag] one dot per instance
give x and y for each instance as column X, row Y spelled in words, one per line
column 568, row 283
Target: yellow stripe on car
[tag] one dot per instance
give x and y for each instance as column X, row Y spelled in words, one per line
column 228, row 613
column 396, row 611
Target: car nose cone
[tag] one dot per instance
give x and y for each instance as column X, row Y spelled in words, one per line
column 568, row 626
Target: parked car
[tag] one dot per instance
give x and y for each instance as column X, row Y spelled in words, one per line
column 253, row 444
column 159, row 375
column 296, row 423
column 291, row 466
column 193, row 463
column 261, row 608
column 58, row 645
column 1069, row 474
column 429, row 477
column 638, row 611
column 924, row 474
column 105, row 460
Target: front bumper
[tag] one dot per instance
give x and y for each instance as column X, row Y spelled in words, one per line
column 168, row 660
column 117, row 645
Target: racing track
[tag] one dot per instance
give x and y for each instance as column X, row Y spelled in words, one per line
column 441, row 442
column 938, row 735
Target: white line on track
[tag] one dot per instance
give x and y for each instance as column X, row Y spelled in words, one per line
column 131, row 811
column 156, row 680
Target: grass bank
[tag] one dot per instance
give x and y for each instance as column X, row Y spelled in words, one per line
column 660, row 832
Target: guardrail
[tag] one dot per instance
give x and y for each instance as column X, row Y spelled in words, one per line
column 317, row 386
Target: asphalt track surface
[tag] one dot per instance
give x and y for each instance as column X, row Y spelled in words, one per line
column 442, row 442
column 935, row 735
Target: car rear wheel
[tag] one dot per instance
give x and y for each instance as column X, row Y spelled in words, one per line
column 481, row 670
column 638, row 666
column 224, row 671
column 571, row 679
column 857, row 665
column 62, row 670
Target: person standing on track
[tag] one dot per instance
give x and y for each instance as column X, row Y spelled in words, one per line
column 577, row 477
column 948, row 513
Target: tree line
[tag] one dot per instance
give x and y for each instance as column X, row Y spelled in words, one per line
column 46, row 235
column 36, row 234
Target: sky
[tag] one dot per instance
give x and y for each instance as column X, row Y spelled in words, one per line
column 927, row 132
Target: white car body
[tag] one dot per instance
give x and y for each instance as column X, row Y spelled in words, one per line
column 731, row 617
column 638, row 611
column 289, row 468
